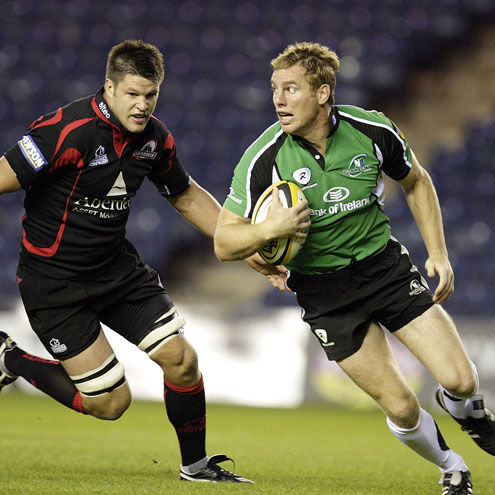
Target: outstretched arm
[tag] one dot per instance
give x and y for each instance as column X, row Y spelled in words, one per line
column 198, row 207
column 8, row 180
column 423, row 203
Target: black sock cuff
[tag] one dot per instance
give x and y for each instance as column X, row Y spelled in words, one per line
column 11, row 358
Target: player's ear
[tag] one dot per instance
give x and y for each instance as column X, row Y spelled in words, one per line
column 323, row 94
column 109, row 86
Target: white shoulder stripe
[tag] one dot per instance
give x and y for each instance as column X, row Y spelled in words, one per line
column 391, row 129
column 250, row 169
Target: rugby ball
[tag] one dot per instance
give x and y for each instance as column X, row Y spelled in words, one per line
column 279, row 251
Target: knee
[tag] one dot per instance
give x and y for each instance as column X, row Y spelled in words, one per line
column 462, row 384
column 404, row 411
column 184, row 370
column 179, row 363
column 108, row 406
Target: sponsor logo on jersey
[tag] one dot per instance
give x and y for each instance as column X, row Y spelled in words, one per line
column 104, row 109
column 102, row 208
column 341, row 207
column 119, row 187
column 32, row 153
column 335, row 194
column 100, row 157
column 302, row 175
column 322, row 335
column 310, row 186
column 357, row 166
column 233, row 198
column 416, row 288
column 57, row 347
column 105, row 204
column 147, row 152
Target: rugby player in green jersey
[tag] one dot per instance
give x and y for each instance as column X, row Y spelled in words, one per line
column 352, row 278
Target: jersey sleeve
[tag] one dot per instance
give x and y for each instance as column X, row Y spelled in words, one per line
column 168, row 174
column 32, row 156
column 396, row 154
column 252, row 175
column 236, row 200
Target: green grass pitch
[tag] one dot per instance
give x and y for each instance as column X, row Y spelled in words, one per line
column 47, row 449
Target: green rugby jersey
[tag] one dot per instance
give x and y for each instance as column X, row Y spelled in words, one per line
column 344, row 188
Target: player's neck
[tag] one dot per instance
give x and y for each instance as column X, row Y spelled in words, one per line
column 317, row 134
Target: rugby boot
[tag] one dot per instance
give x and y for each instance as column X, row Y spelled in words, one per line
column 213, row 473
column 6, row 344
column 480, row 425
column 456, row 483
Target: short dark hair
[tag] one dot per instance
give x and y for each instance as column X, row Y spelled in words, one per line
column 137, row 58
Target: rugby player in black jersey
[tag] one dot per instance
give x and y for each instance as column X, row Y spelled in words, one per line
column 81, row 167
column 351, row 276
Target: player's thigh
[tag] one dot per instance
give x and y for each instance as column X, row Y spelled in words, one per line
column 154, row 325
column 374, row 369
column 71, row 332
column 432, row 337
column 92, row 357
column 100, row 379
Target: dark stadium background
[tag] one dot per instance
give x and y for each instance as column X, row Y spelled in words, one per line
column 430, row 66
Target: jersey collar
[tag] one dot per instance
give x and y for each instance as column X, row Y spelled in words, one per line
column 103, row 111
column 334, row 120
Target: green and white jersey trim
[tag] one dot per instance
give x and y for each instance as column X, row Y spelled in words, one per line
column 390, row 128
column 344, row 188
column 250, row 203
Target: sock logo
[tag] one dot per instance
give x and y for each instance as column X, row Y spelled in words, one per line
column 193, row 426
column 57, row 347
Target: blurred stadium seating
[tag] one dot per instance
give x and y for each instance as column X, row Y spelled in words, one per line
column 216, row 100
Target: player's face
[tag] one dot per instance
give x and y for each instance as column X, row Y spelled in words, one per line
column 132, row 100
column 298, row 107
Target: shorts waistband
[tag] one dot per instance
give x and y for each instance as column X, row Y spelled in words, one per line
column 390, row 248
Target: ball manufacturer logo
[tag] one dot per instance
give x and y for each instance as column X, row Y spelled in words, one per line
column 335, row 194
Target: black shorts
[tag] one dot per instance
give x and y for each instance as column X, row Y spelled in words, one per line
column 128, row 297
column 340, row 306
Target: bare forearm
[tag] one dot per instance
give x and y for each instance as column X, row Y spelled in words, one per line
column 205, row 218
column 239, row 241
column 8, row 180
column 199, row 208
column 425, row 207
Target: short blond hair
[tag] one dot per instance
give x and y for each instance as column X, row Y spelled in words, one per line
column 320, row 62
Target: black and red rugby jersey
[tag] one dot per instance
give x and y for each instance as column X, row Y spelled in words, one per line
column 81, row 171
